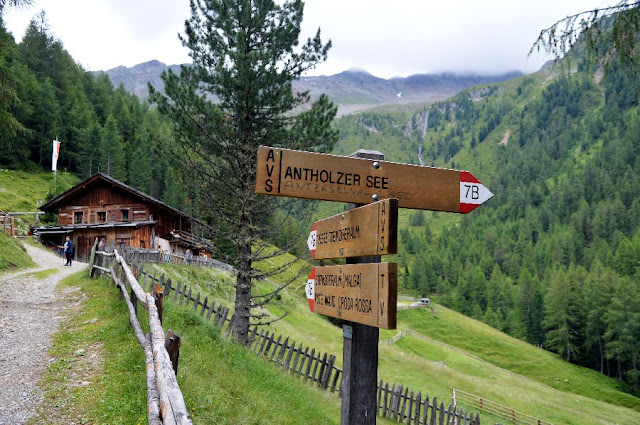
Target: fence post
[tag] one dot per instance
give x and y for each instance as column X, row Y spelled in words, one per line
column 172, row 344
column 92, row 258
column 158, row 297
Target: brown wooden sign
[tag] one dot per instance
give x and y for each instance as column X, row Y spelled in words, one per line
column 297, row 174
column 361, row 293
column 368, row 230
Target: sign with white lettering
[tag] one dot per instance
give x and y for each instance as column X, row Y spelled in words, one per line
column 368, row 230
column 297, row 174
column 361, row 293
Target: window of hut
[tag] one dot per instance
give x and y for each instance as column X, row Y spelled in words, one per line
column 77, row 217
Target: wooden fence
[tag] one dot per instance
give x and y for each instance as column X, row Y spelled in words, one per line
column 150, row 256
column 165, row 403
column 397, row 404
column 496, row 409
column 7, row 223
column 394, row 402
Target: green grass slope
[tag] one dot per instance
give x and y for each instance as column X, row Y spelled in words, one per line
column 221, row 382
column 12, row 254
column 451, row 350
column 26, row 190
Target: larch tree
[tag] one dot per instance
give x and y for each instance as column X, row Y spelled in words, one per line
column 606, row 31
column 236, row 96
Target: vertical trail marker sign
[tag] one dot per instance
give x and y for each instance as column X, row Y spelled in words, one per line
column 297, row 174
column 368, row 230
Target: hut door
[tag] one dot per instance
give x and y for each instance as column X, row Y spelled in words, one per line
column 83, row 248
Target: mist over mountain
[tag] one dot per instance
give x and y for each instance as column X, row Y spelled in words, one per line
column 352, row 90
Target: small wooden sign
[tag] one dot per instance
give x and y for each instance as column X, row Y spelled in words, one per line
column 368, row 230
column 361, row 293
column 297, row 174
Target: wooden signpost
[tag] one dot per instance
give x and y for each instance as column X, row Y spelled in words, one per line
column 283, row 172
column 361, row 293
column 368, row 230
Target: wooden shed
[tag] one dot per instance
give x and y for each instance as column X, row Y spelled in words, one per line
column 103, row 207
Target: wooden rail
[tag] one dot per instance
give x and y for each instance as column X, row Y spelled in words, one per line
column 165, row 403
column 496, row 409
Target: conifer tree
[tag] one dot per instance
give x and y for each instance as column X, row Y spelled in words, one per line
column 235, row 97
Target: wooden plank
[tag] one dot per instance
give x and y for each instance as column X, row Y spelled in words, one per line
column 275, row 348
column 414, row 408
column 264, row 340
column 175, row 295
column 223, row 316
column 297, row 174
column 285, row 345
column 369, row 230
column 212, row 308
column 403, row 409
column 252, row 337
column 312, row 358
column 230, row 327
column 434, row 411
column 304, row 358
column 295, row 358
column 167, row 288
column 196, row 302
column 204, row 305
column 329, row 369
column 336, row 377
column 322, row 363
column 425, row 412
column 361, row 293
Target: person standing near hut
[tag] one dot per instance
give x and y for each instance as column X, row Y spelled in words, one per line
column 68, row 250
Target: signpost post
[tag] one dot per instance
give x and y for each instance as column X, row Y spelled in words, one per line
column 363, row 292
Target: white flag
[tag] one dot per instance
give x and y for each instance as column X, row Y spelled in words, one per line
column 54, row 156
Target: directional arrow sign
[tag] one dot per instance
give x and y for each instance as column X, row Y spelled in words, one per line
column 368, row 230
column 297, row 174
column 361, row 293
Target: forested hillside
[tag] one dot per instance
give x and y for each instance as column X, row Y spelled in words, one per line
column 46, row 95
column 553, row 258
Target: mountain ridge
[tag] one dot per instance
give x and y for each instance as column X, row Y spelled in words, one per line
column 352, row 90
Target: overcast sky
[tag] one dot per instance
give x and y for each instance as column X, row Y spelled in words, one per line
column 385, row 37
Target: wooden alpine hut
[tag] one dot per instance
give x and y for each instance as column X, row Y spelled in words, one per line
column 105, row 208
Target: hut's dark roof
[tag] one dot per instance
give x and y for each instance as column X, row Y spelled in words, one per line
column 53, row 205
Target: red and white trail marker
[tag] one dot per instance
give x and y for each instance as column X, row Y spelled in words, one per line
column 312, row 240
column 310, row 288
column 472, row 192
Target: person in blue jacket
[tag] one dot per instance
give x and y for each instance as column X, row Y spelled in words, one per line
column 68, row 250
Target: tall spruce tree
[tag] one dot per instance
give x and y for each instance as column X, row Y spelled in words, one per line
column 237, row 96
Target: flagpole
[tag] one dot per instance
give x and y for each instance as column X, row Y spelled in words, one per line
column 54, row 163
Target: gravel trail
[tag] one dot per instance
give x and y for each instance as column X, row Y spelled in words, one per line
column 29, row 315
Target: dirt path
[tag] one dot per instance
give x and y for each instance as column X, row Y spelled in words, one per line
column 29, row 315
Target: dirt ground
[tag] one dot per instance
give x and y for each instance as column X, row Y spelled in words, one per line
column 30, row 313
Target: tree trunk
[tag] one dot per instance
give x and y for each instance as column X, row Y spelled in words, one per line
column 243, row 283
